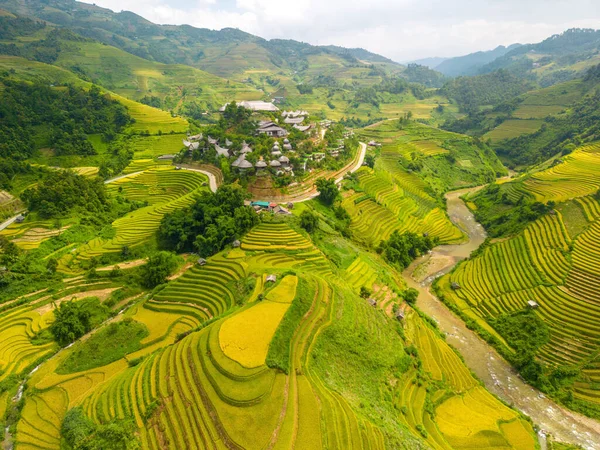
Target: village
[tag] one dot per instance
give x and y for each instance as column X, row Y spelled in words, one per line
column 283, row 156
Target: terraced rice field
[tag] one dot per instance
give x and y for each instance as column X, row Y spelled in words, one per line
column 576, row 176
column 245, row 338
column 549, row 101
column 147, row 147
column 560, row 272
column 395, row 201
column 513, row 128
column 204, row 288
column 189, row 390
column 163, row 189
column 454, row 395
column 17, row 328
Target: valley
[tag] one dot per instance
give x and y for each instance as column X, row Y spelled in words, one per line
column 212, row 240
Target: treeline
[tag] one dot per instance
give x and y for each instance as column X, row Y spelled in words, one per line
column 502, row 216
column 401, row 249
column 12, row 27
column 470, row 93
column 62, row 191
column 416, row 73
column 45, row 50
column 211, row 223
column 35, row 114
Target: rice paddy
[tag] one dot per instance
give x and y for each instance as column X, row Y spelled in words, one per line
column 200, row 379
column 245, row 337
column 162, row 189
column 513, row 128
column 576, row 175
column 554, row 262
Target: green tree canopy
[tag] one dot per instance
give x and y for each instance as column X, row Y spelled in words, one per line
column 157, row 269
column 328, row 190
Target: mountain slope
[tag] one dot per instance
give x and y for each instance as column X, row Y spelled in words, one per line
column 228, row 52
column 471, row 63
column 561, row 57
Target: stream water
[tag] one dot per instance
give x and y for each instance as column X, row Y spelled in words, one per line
column 497, row 374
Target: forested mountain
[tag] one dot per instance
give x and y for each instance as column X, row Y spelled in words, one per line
column 228, row 52
column 534, row 126
column 471, row 93
column 431, row 62
column 471, row 64
column 561, row 57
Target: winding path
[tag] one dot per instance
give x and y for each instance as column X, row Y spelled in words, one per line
column 350, row 168
column 497, row 374
column 212, row 180
column 9, row 222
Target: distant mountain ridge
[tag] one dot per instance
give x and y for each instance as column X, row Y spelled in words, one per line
column 471, row 63
column 561, row 57
column 184, row 44
column 431, row 62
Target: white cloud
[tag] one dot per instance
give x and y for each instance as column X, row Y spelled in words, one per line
column 399, row 29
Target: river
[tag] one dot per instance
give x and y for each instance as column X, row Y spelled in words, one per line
column 498, row 375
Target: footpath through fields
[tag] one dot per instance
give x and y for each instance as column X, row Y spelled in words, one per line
column 497, row 374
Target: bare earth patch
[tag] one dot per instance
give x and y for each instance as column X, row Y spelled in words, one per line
column 436, row 263
column 102, row 295
column 124, row 265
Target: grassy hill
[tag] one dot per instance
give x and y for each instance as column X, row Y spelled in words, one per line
column 227, row 53
column 184, row 69
column 415, row 166
column 471, row 64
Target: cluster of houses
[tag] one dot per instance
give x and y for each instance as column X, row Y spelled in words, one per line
column 272, row 207
column 278, row 161
column 296, row 119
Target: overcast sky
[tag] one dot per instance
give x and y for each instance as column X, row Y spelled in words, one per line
column 399, row 29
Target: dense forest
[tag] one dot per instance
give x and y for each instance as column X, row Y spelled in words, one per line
column 34, row 115
column 470, row 93
column 210, row 224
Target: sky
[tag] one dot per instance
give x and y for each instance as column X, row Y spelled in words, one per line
column 402, row 30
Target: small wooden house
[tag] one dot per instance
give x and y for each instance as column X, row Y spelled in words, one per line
column 455, row 286
column 399, row 315
column 372, row 302
column 201, row 262
column 532, row 304
column 271, row 278
column 236, row 244
column 20, row 218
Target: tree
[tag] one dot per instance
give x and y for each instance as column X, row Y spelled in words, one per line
column 74, row 319
column 52, row 265
column 328, row 190
column 365, row 292
column 370, row 160
column 209, row 224
column 309, row 221
column 157, row 269
column 411, row 295
column 401, row 249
